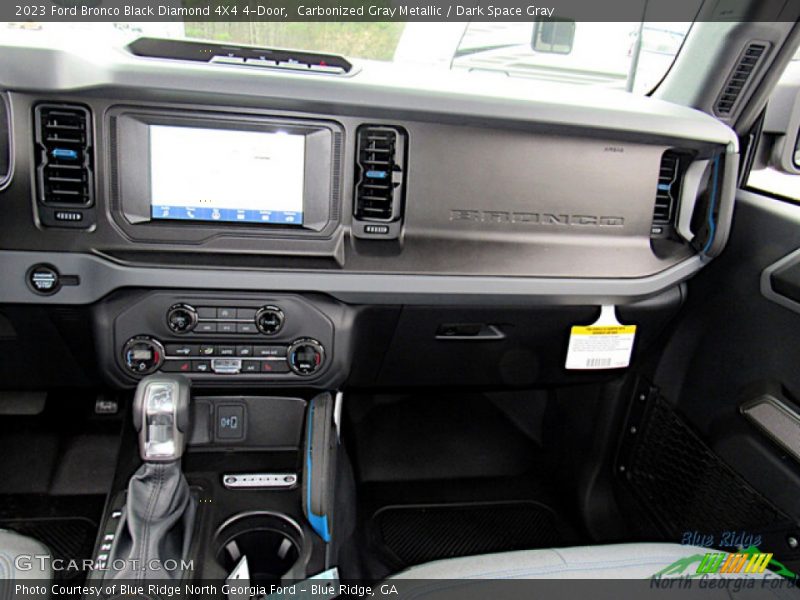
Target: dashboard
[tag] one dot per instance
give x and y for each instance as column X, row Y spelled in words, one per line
column 308, row 190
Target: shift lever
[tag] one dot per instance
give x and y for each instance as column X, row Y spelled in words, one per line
column 157, row 523
column 161, row 416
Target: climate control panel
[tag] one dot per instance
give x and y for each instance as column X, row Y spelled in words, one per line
column 220, row 338
column 143, row 355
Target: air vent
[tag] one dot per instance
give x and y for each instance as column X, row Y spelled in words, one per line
column 748, row 62
column 380, row 172
column 5, row 140
column 667, row 192
column 64, row 139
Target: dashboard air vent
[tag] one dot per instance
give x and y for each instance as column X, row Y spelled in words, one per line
column 741, row 75
column 667, row 192
column 380, row 171
column 64, row 140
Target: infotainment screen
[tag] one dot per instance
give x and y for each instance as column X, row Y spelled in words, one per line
column 204, row 174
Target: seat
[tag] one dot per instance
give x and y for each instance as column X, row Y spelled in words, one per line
column 618, row 561
column 23, row 558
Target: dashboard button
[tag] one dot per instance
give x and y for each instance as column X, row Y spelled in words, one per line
column 201, row 366
column 226, row 313
column 246, row 328
column 181, row 318
column 265, row 351
column 208, row 350
column 274, row 366
column 246, row 313
column 226, row 327
column 226, row 366
column 226, row 351
column 44, row 279
column 207, row 312
column 244, row 351
column 251, row 366
column 206, row 327
column 177, row 366
column 181, row 350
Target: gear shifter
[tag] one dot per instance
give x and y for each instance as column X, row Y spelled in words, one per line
column 155, row 531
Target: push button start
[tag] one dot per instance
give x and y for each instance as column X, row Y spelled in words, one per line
column 44, row 279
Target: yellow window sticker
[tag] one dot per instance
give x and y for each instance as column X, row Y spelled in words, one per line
column 606, row 344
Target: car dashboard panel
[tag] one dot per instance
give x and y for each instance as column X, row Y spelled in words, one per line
column 344, row 199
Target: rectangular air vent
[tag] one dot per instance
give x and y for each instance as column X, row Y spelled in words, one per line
column 742, row 74
column 380, row 172
column 65, row 165
column 667, row 192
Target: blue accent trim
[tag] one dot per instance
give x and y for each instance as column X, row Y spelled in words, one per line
column 712, row 226
column 664, row 187
column 64, row 153
column 377, row 174
column 319, row 523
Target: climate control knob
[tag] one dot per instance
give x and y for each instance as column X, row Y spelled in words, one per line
column 181, row 318
column 269, row 320
column 306, row 356
column 142, row 355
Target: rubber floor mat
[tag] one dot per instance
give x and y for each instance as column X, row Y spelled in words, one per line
column 418, row 534
column 67, row 539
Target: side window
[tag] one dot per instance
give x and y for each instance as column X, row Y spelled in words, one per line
column 777, row 167
column 556, row 36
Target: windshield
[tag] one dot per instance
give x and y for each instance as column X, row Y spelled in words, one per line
column 629, row 56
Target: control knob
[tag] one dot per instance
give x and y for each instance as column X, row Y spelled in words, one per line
column 181, row 318
column 306, row 356
column 142, row 355
column 269, row 320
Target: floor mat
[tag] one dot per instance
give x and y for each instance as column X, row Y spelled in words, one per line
column 67, row 539
column 418, row 534
column 66, row 525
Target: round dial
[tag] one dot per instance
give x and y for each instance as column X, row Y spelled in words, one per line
column 142, row 355
column 269, row 320
column 306, row 356
column 181, row 318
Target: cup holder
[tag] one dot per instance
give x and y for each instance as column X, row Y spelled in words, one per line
column 272, row 544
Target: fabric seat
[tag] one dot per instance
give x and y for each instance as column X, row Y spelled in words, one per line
column 618, row 561
column 14, row 546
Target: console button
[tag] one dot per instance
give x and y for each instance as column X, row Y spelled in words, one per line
column 246, row 328
column 251, row 366
column 226, row 351
column 44, row 279
column 226, row 366
column 181, row 318
column 226, row 327
column 201, row 366
column 207, row 312
column 244, row 351
column 265, row 351
column 177, row 366
column 181, row 350
column 226, row 313
column 206, row 327
column 230, row 422
column 274, row 366
column 269, row 320
column 246, row 313
column 208, row 350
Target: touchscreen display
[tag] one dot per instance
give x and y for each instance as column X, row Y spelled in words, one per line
column 226, row 175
